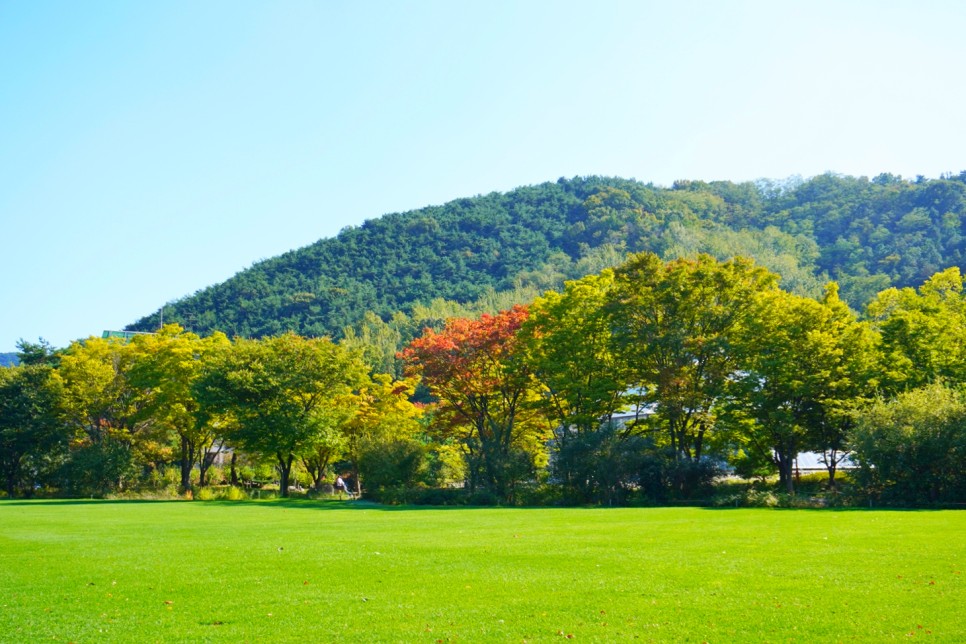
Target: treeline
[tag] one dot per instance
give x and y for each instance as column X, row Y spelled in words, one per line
column 865, row 234
column 643, row 383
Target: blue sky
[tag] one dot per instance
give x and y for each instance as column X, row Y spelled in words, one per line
column 149, row 149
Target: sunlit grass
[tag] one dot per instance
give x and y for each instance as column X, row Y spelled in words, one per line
column 326, row 571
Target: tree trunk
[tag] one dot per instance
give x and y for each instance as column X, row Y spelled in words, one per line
column 11, row 482
column 785, row 475
column 831, row 460
column 187, row 461
column 284, row 470
column 204, row 464
column 234, row 471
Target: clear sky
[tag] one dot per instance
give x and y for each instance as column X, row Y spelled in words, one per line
column 151, row 148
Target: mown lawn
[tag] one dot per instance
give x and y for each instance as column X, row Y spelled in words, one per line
column 298, row 571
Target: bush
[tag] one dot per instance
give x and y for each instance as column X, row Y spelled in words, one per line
column 399, row 463
column 911, row 450
column 232, row 493
column 541, row 495
column 215, row 475
column 599, row 467
column 99, row 469
column 205, row 494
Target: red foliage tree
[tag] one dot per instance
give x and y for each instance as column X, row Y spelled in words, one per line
column 476, row 371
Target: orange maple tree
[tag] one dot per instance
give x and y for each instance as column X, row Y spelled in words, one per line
column 475, row 369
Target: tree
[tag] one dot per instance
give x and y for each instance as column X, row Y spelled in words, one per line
column 381, row 435
column 858, row 372
column 569, row 348
column 923, row 332
column 103, row 411
column 475, row 369
column 568, row 343
column 36, row 353
column 280, row 392
column 803, row 365
column 165, row 367
column 32, row 431
column 329, row 439
column 674, row 325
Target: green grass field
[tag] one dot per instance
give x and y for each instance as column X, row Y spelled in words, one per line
column 299, row 571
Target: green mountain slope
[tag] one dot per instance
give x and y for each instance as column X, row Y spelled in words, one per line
column 867, row 234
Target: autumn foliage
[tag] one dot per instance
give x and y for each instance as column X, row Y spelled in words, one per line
column 475, row 369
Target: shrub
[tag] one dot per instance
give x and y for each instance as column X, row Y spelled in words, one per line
column 398, row 463
column 215, row 475
column 99, row 469
column 600, row 466
column 205, row 494
column 912, row 449
column 232, row 493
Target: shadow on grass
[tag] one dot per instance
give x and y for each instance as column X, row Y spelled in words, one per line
column 88, row 501
column 361, row 504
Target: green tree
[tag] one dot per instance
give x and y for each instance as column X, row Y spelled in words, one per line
column 923, row 331
column 32, row 432
column 804, row 364
column 36, row 353
column 674, row 324
column 280, row 392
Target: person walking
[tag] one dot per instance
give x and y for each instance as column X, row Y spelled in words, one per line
column 340, row 485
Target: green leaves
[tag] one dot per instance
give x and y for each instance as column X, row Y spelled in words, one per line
column 673, row 325
column 280, row 393
column 923, row 332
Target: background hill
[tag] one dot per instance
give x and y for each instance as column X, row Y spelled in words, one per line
column 488, row 251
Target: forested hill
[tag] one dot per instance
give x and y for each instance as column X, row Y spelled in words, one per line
column 866, row 234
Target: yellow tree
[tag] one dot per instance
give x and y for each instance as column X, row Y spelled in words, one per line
column 381, row 436
column 104, row 410
column 165, row 367
column 569, row 348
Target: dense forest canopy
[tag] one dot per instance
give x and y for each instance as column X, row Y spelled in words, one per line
column 498, row 249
